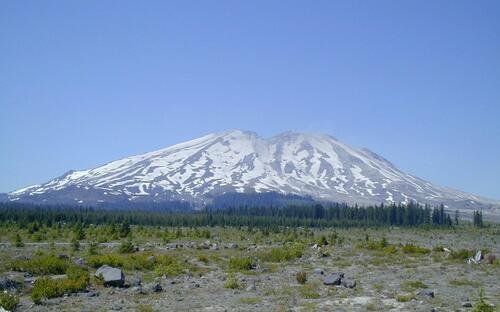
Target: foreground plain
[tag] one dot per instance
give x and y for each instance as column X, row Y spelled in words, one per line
column 231, row 269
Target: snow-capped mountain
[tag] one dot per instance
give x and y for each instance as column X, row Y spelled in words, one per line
column 239, row 161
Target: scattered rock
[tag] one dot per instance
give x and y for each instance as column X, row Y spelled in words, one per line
column 80, row 262
column 426, row 293
column 251, row 287
column 111, row 276
column 21, row 258
column 348, row 282
column 233, row 246
column 490, row 258
column 154, row 287
column 333, row 279
column 151, row 259
column 319, row 271
column 172, row 245
column 137, row 290
column 467, row 304
column 63, row 256
column 135, row 281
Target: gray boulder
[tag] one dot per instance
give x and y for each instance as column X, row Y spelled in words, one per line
column 319, row 271
column 426, row 293
column 333, row 278
column 111, row 276
column 154, row 287
column 348, row 282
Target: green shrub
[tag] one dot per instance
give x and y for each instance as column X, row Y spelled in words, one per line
column 170, row 266
column 8, row 301
column 413, row 249
column 241, row 264
column 461, row 254
column 250, row 300
column 96, row 261
column 203, row 258
column 404, row 298
column 482, row 305
column 77, row 280
column 301, row 277
column 126, row 247
column 18, row 241
column 322, row 241
column 308, row 292
column 75, row 244
column 410, row 285
column 42, row 265
column 144, row 308
column 285, row 253
column 438, row 248
column 92, row 248
column 464, row 282
column 231, row 282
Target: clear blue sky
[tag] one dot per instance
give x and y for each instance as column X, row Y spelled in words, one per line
column 86, row 82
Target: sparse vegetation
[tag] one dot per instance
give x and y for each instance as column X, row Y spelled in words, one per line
column 482, row 305
column 188, row 261
column 301, row 277
column 413, row 249
column 411, row 285
column 404, row 298
column 285, row 253
column 232, row 282
column 8, row 301
column 77, row 279
column 42, row 265
column 241, row 264
column 464, row 282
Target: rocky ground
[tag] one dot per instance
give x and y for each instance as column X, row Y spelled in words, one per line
column 379, row 273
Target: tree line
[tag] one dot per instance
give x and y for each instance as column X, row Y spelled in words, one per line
column 305, row 215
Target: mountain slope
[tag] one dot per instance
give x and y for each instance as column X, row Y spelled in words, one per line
column 238, row 161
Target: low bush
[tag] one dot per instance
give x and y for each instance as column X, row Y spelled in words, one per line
column 170, row 266
column 308, row 292
column 322, row 241
column 96, row 261
column 438, row 248
column 461, row 254
column 42, row 265
column 18, row 241
column 232, row 282
column 126, row 246
column 404, row 298
column 464, row 282
column 482, row 305
column 46, row 288
column 241, row 264
column 410, row 285
column 203, row 258
column 8, row 301
column 301, row 277
column 282, row 254
column 414, row 249
column 250, row 300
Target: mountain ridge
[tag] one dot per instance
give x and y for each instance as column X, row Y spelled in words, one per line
column 316, row 165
